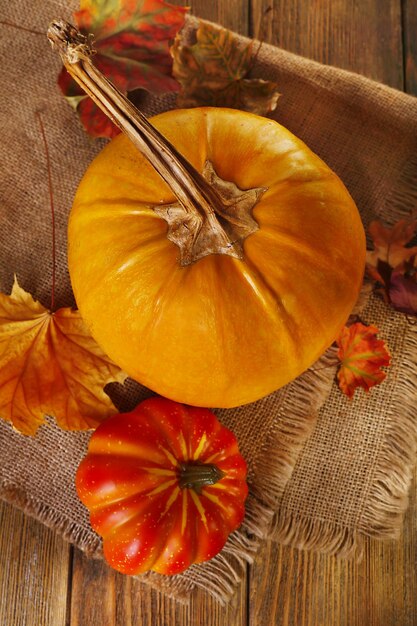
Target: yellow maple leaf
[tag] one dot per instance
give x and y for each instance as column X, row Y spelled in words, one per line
column 50, row 365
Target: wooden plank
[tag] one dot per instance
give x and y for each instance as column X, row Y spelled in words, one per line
column 310, row 589
column 409, row 15
column 364, row 37
column 233, row 14
column 34, row 565
column 102, row 596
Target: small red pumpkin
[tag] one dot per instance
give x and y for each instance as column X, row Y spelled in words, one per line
column 165, row 486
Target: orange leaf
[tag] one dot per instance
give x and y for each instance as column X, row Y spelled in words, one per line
column 361, row 355
column 49, row 364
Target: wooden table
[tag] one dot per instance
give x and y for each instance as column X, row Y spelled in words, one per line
column 45, row 582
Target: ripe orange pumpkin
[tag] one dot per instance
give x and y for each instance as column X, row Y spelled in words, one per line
column 221, row 331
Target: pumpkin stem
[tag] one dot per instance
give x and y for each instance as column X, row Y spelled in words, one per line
column 198, row 475
column 204, row 220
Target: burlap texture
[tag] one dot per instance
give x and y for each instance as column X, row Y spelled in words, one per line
column 321, row 475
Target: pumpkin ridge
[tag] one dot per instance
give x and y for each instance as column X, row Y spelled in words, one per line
column 162, row 297
column 284, row 316
column 119, row 505
column 308, row 254
column 162, row 426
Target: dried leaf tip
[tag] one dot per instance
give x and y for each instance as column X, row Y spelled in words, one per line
column 69, row 42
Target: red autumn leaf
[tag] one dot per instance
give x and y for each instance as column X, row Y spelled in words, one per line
column 132, row 41
column 361, row 356
column 50, row 365
column 95, row 122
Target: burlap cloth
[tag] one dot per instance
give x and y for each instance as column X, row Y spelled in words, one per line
column 321, row 475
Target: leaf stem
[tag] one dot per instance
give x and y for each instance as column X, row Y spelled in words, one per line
column 51, row 204
column 19, row 27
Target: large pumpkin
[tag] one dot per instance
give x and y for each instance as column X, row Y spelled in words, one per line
column 219, row 331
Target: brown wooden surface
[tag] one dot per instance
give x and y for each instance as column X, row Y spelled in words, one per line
column 45, row 582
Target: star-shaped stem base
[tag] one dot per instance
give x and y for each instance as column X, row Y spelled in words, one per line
column 211, row 215
column 221, row 231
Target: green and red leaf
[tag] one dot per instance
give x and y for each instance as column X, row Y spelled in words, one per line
column 132, row 40
column 361, row 355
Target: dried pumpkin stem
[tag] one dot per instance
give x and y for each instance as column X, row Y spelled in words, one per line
column 200, row 200
column 198, row 475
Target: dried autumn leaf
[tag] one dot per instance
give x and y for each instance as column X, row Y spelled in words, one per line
column 361, row 356
column 50, row 364
column 390, row 243
column 393, row 265
column 403, row 291
column 213, row 71
column 381, row 274
column 132, row 42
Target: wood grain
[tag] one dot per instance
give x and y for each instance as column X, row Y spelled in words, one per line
column 103, row 597
column 363, row 36
column 44, row 582
column 409, row 23
column 33, row 572
column 311, row 589
column 233, row 14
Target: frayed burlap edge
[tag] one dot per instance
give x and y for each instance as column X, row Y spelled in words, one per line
column 388, row 497
column 221, row 575
column 273, row 468
column 276, row 458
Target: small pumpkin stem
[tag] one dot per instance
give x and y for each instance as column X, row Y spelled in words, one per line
column 214, row 216
column 198, row 475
